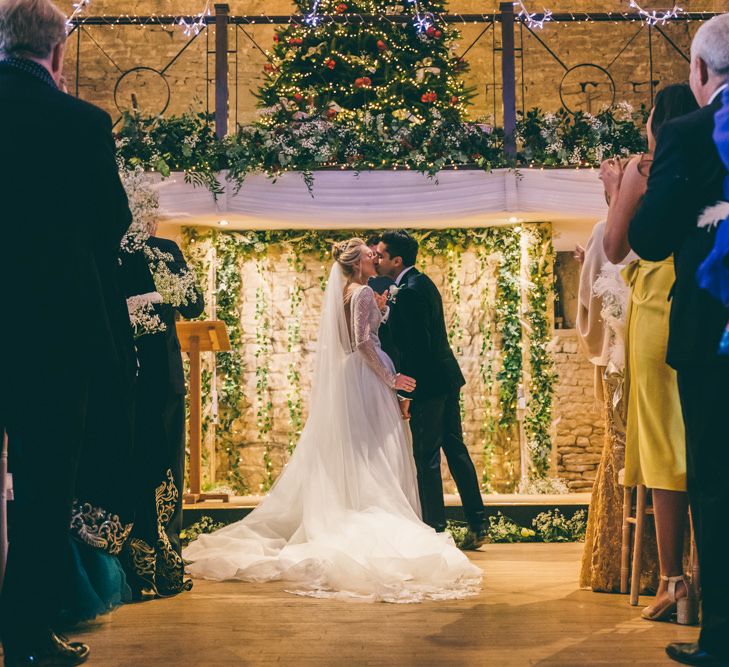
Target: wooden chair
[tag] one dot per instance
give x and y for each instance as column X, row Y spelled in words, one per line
column 6, row 494
column 636, row 522
column 634, row 517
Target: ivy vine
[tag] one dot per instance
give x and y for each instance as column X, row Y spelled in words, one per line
column 264, row 405
column 508, row 321
column 538, row 419
column 486, row 367
column 294, row 400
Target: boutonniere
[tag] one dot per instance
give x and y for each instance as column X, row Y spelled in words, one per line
column 392, row 293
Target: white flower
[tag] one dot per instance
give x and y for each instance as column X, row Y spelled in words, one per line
column 392, row 293
column 143, row 200
column 142, row 315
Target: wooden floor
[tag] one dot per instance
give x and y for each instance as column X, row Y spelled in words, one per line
column 530, row 612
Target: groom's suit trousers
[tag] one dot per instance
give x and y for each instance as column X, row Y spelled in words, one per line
column 436, row 425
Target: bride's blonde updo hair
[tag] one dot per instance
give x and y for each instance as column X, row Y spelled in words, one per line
column 347, row 254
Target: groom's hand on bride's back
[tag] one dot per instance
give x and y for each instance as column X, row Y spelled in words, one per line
column 405, row 383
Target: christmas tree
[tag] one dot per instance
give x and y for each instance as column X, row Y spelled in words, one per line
column 366, row 83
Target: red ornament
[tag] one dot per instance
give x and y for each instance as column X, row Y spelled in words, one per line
column 428, row 97
column 269, row 68
column 438, row 34
column 430, row 31
column 363, row 82
column 331, row 64
column 341, row 8
column 298, row 97
column 275, row 37
column 381, row 46
column 454, row 100
column 331, row 113
column 296, row 41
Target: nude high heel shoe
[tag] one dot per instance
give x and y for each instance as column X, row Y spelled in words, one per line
column 685, row 607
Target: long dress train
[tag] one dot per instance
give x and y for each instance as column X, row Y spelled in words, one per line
column 343, row 520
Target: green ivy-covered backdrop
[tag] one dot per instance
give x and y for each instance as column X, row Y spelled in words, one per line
column 267, row 287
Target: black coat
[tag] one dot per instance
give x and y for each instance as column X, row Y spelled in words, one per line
column 64, row 212
column 418, row 330
column 160, row 358
column 687, row 176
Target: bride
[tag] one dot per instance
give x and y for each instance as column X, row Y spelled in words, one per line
column 343, row 519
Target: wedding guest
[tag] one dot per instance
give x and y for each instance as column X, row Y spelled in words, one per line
column 655, row 450
column 687, row 175
column 61, row 227
column 152, row 557
column 103, row 507
column 599, row 329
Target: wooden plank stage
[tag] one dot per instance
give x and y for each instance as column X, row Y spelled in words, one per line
column 530, row 612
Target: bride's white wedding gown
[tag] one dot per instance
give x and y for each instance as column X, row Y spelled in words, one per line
column 342, row 520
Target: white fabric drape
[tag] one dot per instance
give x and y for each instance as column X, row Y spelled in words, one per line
column 381, row 199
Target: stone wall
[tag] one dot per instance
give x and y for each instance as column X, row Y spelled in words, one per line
column 269, row 283
column 579, row 430
column 267, row 288
column 103, row 54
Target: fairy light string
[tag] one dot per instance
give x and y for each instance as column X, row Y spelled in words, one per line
column 532, row 20
column 197, row 23
column 653, row 16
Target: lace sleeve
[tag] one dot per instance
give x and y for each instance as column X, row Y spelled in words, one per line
column 363, row 306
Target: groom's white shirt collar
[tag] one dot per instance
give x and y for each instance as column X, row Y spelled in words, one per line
column 716, row 93
column 404, row 271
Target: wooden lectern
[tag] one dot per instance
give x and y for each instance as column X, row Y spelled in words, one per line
column 197, row 337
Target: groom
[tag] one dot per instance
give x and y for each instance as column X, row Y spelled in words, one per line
column 418, row 330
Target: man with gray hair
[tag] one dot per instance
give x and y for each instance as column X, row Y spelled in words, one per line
column 687, row 176
column 64, row 212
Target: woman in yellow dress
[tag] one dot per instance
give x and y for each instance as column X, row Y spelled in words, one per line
column 655, row 450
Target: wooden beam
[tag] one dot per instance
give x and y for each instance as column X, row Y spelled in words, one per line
column 508, row 80
column 222, row 12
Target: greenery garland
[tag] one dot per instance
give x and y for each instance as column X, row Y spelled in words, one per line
column 486, row 369
column 264, row 405
column 454, row 259
column 549, row 526
column 230, row 364
column 538, row 419
column 508, row 320
column 188, row 143
column 294, row 398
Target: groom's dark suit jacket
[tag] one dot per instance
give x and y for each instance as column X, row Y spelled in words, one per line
column 418, row 330
column 686, row 177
